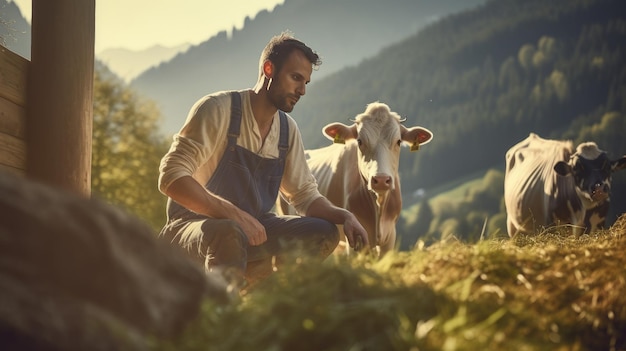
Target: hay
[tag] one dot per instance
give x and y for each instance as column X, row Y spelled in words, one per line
column 544, row 292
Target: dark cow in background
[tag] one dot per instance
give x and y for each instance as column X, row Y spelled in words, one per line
column 359, row 172
column 547, row 183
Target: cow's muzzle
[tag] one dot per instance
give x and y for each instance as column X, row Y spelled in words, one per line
column 381, row 183
column 599, row 192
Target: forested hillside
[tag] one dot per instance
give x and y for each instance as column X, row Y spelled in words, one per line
column 344, row 32
column 483, row 79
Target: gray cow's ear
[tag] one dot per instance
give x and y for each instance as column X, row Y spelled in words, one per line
column 618, row 164
column 563, row 168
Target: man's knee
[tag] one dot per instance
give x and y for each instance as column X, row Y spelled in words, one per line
column 224, row 232
column 225, row 243
column 328, row 236
column 224, row 228
column 320, row 236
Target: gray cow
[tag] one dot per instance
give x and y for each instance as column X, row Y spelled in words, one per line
column 547, row 183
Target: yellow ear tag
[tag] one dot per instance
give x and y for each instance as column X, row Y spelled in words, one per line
column 338, row 140
column 416, row 145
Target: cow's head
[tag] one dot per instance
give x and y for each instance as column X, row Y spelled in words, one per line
column 379, row 134
column 591, row 169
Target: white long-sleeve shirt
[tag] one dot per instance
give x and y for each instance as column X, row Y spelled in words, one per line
column 198, row 147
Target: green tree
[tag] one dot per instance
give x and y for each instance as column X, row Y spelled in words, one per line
column 547, row 45
column 608, row 133
column 127, row 149
column 525, row 56
column 558, row 85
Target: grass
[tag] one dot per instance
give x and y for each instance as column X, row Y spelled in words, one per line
column 543, row 292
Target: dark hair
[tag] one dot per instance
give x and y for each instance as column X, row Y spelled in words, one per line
column 281, row 46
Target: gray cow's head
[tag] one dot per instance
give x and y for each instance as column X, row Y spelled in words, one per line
column 591, row 169
column 379, row 133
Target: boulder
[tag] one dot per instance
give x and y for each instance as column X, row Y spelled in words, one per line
column 80, row 274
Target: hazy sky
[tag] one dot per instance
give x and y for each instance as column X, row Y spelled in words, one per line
column 138, row 24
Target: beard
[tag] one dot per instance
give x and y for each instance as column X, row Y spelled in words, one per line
column 282, row 102
column 280, row 98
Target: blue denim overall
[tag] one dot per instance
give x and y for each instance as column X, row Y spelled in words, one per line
column 242, row 177
column 250, row 182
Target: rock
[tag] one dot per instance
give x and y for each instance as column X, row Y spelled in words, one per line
column 79, row 274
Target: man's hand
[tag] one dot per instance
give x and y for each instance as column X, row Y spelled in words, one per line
column 190, row 194
column 355, row 233
column 253, row 229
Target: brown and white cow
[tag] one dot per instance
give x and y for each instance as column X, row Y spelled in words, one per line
column 547, row 183
column 359, row 172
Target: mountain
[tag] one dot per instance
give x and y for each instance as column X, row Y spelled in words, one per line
column 128, row 64
column 343, row 32
column 14, row 29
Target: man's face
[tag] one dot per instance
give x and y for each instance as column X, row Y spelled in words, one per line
column 289, row 84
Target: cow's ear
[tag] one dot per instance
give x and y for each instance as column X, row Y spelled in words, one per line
column 416, row 136
column 618, row 164
column 339, row 132
column 563, row 168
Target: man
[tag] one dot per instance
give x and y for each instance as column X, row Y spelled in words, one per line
column 226, row 165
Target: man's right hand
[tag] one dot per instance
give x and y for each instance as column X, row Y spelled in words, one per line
column 253, row 229
column 190, row 194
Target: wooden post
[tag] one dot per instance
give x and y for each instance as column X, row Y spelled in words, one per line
column 60, row 94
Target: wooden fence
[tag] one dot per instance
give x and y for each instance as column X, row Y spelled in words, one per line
column 13, row 77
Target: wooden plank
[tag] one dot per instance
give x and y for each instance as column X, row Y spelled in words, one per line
column 13, row 95
column 12, row 118
column 9, row 169
column 60, row 115
column 12, row 151
column 13, row 76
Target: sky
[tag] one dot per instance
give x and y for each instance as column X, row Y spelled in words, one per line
column 139, row 24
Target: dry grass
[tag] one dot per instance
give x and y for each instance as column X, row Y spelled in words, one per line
column 547, row 292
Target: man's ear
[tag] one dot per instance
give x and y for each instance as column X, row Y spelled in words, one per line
column 268, row 69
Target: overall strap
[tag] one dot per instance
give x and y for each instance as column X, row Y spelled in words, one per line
column 235, row 124
column 235, row 118
column 283, row 141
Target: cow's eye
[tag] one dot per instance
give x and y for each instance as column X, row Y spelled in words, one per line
column 399, row 142
column 359, row 142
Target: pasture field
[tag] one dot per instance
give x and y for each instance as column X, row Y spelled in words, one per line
column 445, row 195
column 545, row 292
